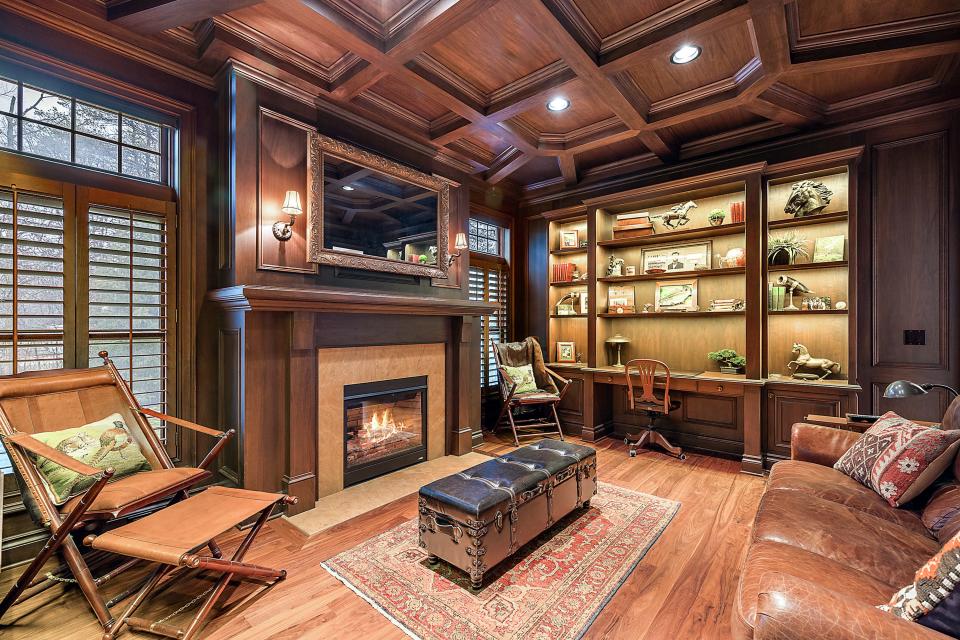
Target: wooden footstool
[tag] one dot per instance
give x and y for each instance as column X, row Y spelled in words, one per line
column 174, row 538
column 477, row 518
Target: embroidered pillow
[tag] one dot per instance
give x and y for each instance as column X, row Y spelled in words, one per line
column 899, row 459
column 523, row 376
column 101, row 444
column 933, row 600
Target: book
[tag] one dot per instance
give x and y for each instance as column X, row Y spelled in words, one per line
column 643, row 215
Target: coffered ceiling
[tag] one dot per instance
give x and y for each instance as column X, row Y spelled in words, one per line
column 470, row 79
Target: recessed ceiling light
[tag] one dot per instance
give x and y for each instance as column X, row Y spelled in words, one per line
column 347, row 187
column 558, row 104
column 686, row 53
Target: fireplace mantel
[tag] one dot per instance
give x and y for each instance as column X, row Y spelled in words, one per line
column 334, row 300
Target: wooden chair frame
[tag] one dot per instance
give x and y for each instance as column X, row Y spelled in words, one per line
column 508, row 390
column 61, row 525
column 649, row 403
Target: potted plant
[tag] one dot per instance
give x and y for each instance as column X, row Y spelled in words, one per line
column 786, row 249
column 730, row 361
column 716, row 217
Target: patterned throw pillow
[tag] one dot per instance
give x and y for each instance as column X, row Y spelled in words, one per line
column 101, row 444
column 933, row 600
column 523, row 376
column 899, row 459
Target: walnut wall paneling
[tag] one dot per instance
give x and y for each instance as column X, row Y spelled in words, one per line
column 911, row 236
column 284, row 165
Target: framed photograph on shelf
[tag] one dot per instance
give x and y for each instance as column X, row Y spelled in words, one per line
column 692, row 256
column 676, row 295
column 570, row 239
column 828, row 249
column 566, row 352
column 621, row 299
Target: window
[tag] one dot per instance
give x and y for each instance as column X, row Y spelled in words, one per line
column 65, row 295
column 484, row 237
column 49, row 125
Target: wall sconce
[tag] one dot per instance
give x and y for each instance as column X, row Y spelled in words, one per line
column 282, row 231
column 459, row 244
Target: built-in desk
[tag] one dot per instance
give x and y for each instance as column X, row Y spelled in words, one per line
column 726, row 414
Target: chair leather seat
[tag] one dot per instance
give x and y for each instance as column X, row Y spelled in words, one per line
column 131, row 490
column 535, row 397
column 487, row 485
column 836, row 486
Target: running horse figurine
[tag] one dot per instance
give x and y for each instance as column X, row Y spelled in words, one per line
column 678, row 215
column 822, row 366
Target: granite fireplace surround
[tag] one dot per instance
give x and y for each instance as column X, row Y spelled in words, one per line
column 288, row 410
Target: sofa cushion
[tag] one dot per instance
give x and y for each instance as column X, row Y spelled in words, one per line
column 899, row 459
column 768, row 557
column 882, row 549
column 942, row 513
column 830, row 484
column 933, row 596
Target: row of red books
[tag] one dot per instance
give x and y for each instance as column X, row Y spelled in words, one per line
column 563, row 272
column 737, row 212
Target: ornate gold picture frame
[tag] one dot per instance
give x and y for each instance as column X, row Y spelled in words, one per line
column 322, row 146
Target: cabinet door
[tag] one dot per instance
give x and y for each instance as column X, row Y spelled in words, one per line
column 785, row 407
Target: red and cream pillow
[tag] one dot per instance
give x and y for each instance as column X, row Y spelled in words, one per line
column 899, row 459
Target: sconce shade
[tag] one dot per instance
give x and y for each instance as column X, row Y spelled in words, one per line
column 291, row 204
column 461, row 241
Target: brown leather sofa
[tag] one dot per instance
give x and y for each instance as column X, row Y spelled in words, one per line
column 825, row 550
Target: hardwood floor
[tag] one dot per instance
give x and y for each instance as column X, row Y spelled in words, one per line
column 684, row 587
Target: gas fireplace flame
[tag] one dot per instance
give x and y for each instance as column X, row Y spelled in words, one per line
column 382, row 425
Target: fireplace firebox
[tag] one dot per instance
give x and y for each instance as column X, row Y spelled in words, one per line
column 385, row 427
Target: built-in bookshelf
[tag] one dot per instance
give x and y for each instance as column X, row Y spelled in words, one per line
column 820, row 316
column 568, row 282
column 636, row 254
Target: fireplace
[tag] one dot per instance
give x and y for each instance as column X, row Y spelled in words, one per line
column 385, row 427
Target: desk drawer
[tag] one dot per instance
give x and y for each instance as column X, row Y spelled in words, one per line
column 606, row 378
column 719, row 387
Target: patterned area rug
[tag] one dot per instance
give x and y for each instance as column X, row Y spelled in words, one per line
column 551, row 589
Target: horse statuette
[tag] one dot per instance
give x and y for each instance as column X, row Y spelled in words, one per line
column 678, row 216
column 822, row 366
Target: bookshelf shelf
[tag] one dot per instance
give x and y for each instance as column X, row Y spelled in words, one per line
column 573, row 283
column 670, row 314
column 567, row 252
column 809, row 312
column 675, row 275
column 569, row 315
column 819, row 218
column 808, row 265
column 674, row 236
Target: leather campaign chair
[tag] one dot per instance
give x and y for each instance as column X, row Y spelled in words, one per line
column 650, row 404
column 546, row 397
column 44, row 401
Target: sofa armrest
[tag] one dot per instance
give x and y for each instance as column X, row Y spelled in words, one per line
column 790, row 608
column 820, row 445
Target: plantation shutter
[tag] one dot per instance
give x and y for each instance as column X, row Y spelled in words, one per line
column 129, row 300
column 32, row 272
column 489, row 283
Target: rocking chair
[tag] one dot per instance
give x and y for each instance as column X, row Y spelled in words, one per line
column 45, row 401
column 546, row 395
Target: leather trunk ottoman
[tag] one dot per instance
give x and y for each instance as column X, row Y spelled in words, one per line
column 477, row 518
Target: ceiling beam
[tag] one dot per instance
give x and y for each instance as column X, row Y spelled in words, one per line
column 505, row 164
column 788, row 106
column 568, row 169
column 154, row 16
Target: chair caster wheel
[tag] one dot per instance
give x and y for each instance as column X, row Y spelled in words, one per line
column 683, row 456
column 633, row 453
column 626, row 441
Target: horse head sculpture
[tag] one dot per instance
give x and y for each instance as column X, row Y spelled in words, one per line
column 807, row 197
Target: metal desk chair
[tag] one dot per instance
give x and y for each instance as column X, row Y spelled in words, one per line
column 650, row 404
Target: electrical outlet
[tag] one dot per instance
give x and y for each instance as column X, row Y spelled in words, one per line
column 914, row 337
